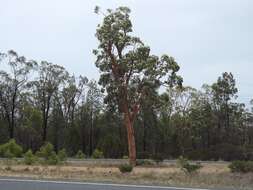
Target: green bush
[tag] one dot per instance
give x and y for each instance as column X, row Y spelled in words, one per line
column 11, row 149
column 144, row 162
column 181, row 161
column 48, row 154
column 62, row 155
column 53, row 159
column 45, row 151
column 29, row 158
column 8, row 154
column 97, row 154
column 186, row 166
column 80, row 155
column 241, row 166
column 190, row 168
column 125, row 168
column 125, row 157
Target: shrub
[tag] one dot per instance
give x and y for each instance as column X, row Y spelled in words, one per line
column 10, row 149
column 8, row 168
column 185, row 165
column 80, row 155
column 190, row 168
column 181, row 161
column 62, row 155
column 125, row 157
column 53, row 159
column 29, row 158
column 125, row 168
column 48, row 154
column 97, row 154
column 45, row 151
column 241, row 166
column 8, row 154
column 144, row 163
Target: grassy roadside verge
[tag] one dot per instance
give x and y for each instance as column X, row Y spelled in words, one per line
column 210, row 176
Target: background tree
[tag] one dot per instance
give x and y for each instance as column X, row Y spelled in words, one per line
column 72, row 94
column 50, row 78
column 12, row 85
column 223, row 90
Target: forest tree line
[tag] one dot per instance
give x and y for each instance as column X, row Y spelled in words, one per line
column 42, row 102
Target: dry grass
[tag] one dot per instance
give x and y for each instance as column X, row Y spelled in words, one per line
column 211, row 175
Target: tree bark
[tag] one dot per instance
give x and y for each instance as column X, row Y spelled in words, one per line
column 13, row 108
column 44, row 135
column 144, row 136
column 131, row 139
column 45, row 118
column 83, row 141
column 11, row 131
column 91, row 135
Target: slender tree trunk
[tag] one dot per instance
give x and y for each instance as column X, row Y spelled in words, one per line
column 12, row 127
column 131, row 139
column 45, row 119
column 144, row 136
column 44, row 126
column 56, row 141
column 44, row 135
column 11, row 131
column 83, row 141
column 83, row 132
column 91, row 134
column 13, row 114
column 208, row 138
column 9, row 124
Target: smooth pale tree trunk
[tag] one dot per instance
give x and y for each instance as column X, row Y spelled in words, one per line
column 131, row 139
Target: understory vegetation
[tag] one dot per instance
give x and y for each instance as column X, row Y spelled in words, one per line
column 125, row 168
column 241, row 166
column 45, row 155
column 187, row 167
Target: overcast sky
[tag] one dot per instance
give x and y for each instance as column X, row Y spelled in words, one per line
column 206, row 37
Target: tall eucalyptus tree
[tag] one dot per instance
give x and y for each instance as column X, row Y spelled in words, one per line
column 50, row 79
column 12, row 85
column 129, row 72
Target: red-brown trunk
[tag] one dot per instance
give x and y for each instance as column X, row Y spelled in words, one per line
column 131, row 139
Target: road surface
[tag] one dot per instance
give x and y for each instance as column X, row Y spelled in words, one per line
column 23, row 184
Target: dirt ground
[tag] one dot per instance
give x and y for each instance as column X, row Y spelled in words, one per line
column 209, row 176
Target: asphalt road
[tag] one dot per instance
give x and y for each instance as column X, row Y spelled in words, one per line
column 23, row 184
